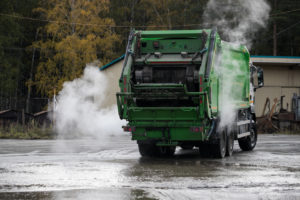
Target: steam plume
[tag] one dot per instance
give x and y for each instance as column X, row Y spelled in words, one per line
column 237, row 20
column 78, row 112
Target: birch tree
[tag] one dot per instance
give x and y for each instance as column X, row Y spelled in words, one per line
column 78, row 32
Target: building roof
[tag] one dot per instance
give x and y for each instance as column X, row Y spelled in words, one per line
column 274, row 60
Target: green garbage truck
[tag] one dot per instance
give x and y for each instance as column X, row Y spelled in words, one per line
column 188, row 88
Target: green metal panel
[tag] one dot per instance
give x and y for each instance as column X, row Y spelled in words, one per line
column 172, row 33
column 174, row 59
column 172, row 45
column 163, row 113
column 174, row 41
column 214, row 92
column 171, row 134
column 235, row 63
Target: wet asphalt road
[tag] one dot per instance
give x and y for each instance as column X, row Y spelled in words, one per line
column 112, row 169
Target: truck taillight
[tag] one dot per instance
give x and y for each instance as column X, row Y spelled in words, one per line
column 196, row 129
column 128, row 128
column 125, row 82
column 125, row 88
column 200, row 83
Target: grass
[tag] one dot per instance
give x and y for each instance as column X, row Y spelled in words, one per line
column 31, row 131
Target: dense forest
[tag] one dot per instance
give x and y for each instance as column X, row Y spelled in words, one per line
column 46, row 42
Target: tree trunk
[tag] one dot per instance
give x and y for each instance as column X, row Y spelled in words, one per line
column 30, row 76
column 73, row 20
column 16, row 94
column 1, row 96
column 169, row 19
column 275, row 32
column 184, row 13
column 133, row 2
column 157, row 13
column 274, row 40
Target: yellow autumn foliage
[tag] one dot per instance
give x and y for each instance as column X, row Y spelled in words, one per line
column 79, row 32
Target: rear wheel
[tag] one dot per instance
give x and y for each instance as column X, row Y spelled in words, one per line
column 219, row 148
column 148, row 149
column 248, row 143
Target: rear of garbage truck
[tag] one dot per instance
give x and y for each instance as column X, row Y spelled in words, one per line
column 172, row 90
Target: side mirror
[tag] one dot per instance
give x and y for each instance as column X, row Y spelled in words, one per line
column 257, row 78
column 260, row 77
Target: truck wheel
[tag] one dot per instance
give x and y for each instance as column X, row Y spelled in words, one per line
column 219, row 148
column 229, row 143
column 248, row 143
column 148, row 149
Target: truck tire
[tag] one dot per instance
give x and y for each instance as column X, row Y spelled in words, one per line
column 148, row 149
column 219, row 148
column 229, row 143
column 248, row 143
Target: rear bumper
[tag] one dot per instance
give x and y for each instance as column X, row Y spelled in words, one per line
column 169, row 133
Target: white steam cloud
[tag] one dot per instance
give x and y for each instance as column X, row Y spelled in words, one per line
column 231, row 90
column 237, row 20
column 79, row 111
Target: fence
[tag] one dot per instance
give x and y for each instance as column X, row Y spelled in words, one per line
column 34, row 105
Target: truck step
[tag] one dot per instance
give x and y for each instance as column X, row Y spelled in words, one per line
column 243, row 122
column 243, row 135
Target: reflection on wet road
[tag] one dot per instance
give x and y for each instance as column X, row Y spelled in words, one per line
column 112, row 169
